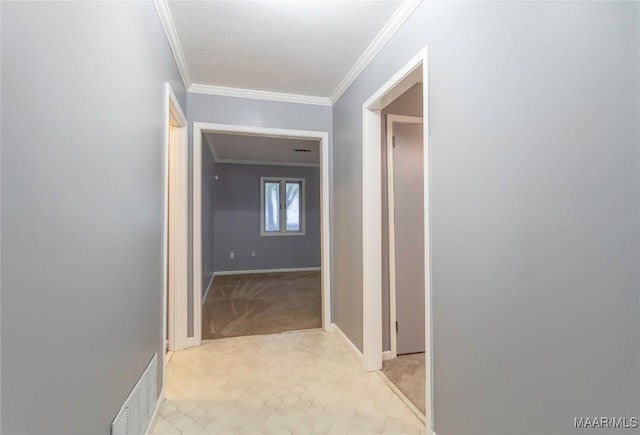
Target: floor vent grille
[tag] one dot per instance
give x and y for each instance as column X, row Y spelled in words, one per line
column 136, row 413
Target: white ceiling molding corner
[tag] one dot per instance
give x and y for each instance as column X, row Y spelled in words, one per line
column 403, row 12
column 211, row 147
column 174, row 42
column 258, row 95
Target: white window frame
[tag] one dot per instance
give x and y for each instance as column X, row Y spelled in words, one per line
column 283, row 210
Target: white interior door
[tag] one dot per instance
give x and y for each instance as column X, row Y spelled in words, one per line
column 408, row 210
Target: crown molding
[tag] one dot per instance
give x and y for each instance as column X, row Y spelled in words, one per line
column 267, row 163
column 258, row 95
column 405, row 9
column 162, row 6
column 211, row 148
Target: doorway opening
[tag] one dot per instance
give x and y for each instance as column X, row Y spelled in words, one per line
column 404, row 335
column 413, row 325
column 405, row 233
column 174, row 312
column 260, row 235
column 278, row 205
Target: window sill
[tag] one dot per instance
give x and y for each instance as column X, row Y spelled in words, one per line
column 281, row 234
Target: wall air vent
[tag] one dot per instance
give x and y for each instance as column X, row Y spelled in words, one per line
column 135, row 415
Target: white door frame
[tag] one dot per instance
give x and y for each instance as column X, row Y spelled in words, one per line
column 325, row 223
column 391, row 119
column 412, row 72
column 177, row 315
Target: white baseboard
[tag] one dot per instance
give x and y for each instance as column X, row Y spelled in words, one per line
column 208, row 287
column 191, row 342
column 386, row 355
column 156, row 412
column 352, row 347
column 245, row 272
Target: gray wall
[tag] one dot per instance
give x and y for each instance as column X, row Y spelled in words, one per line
column 534, row 169
column 410, row 104
column 261, row 113
column 82, row 209
column 237, row 227
column 209, row 166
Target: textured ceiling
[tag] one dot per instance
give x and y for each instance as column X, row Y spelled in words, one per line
column 240, row 148
column 296, row 47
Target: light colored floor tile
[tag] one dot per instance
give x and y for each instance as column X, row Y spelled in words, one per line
column 298, row 382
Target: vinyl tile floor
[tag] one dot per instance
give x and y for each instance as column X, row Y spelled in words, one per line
column 297, row 382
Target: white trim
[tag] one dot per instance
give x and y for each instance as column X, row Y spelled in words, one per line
column 392, row 225
column 403, row 12
column 325, row 223
column 404, row 119
column 249, row 130
column 249, row 272
column 274, row 234
column 406, row 77
column 165, row 224
column 325, row 230
column 196, row 207
column 282, row 216
column 412, row 72
column 395, row 86
column 352, row 347
column 386, row 355
column 1, row 255
column 173, row 116
column 156, row 412
column 206, row 292
column 393, row 337
column 371, row 242
column 266, row 163
column 255, row 94
column 405, row 9
column 162, row 6
column 428, row 319
column 177, row 204
column 166, row 361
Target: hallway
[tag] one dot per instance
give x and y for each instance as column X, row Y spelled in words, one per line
column 298, row 382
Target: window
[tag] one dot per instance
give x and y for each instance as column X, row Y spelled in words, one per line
column 281, row 206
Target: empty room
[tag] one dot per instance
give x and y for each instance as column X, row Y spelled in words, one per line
column 261, row 235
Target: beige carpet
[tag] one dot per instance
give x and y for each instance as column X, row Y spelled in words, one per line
column 264, row 303
column 407, row 372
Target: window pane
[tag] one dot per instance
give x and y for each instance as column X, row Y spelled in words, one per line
column 293, row 206
column 271, row 206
